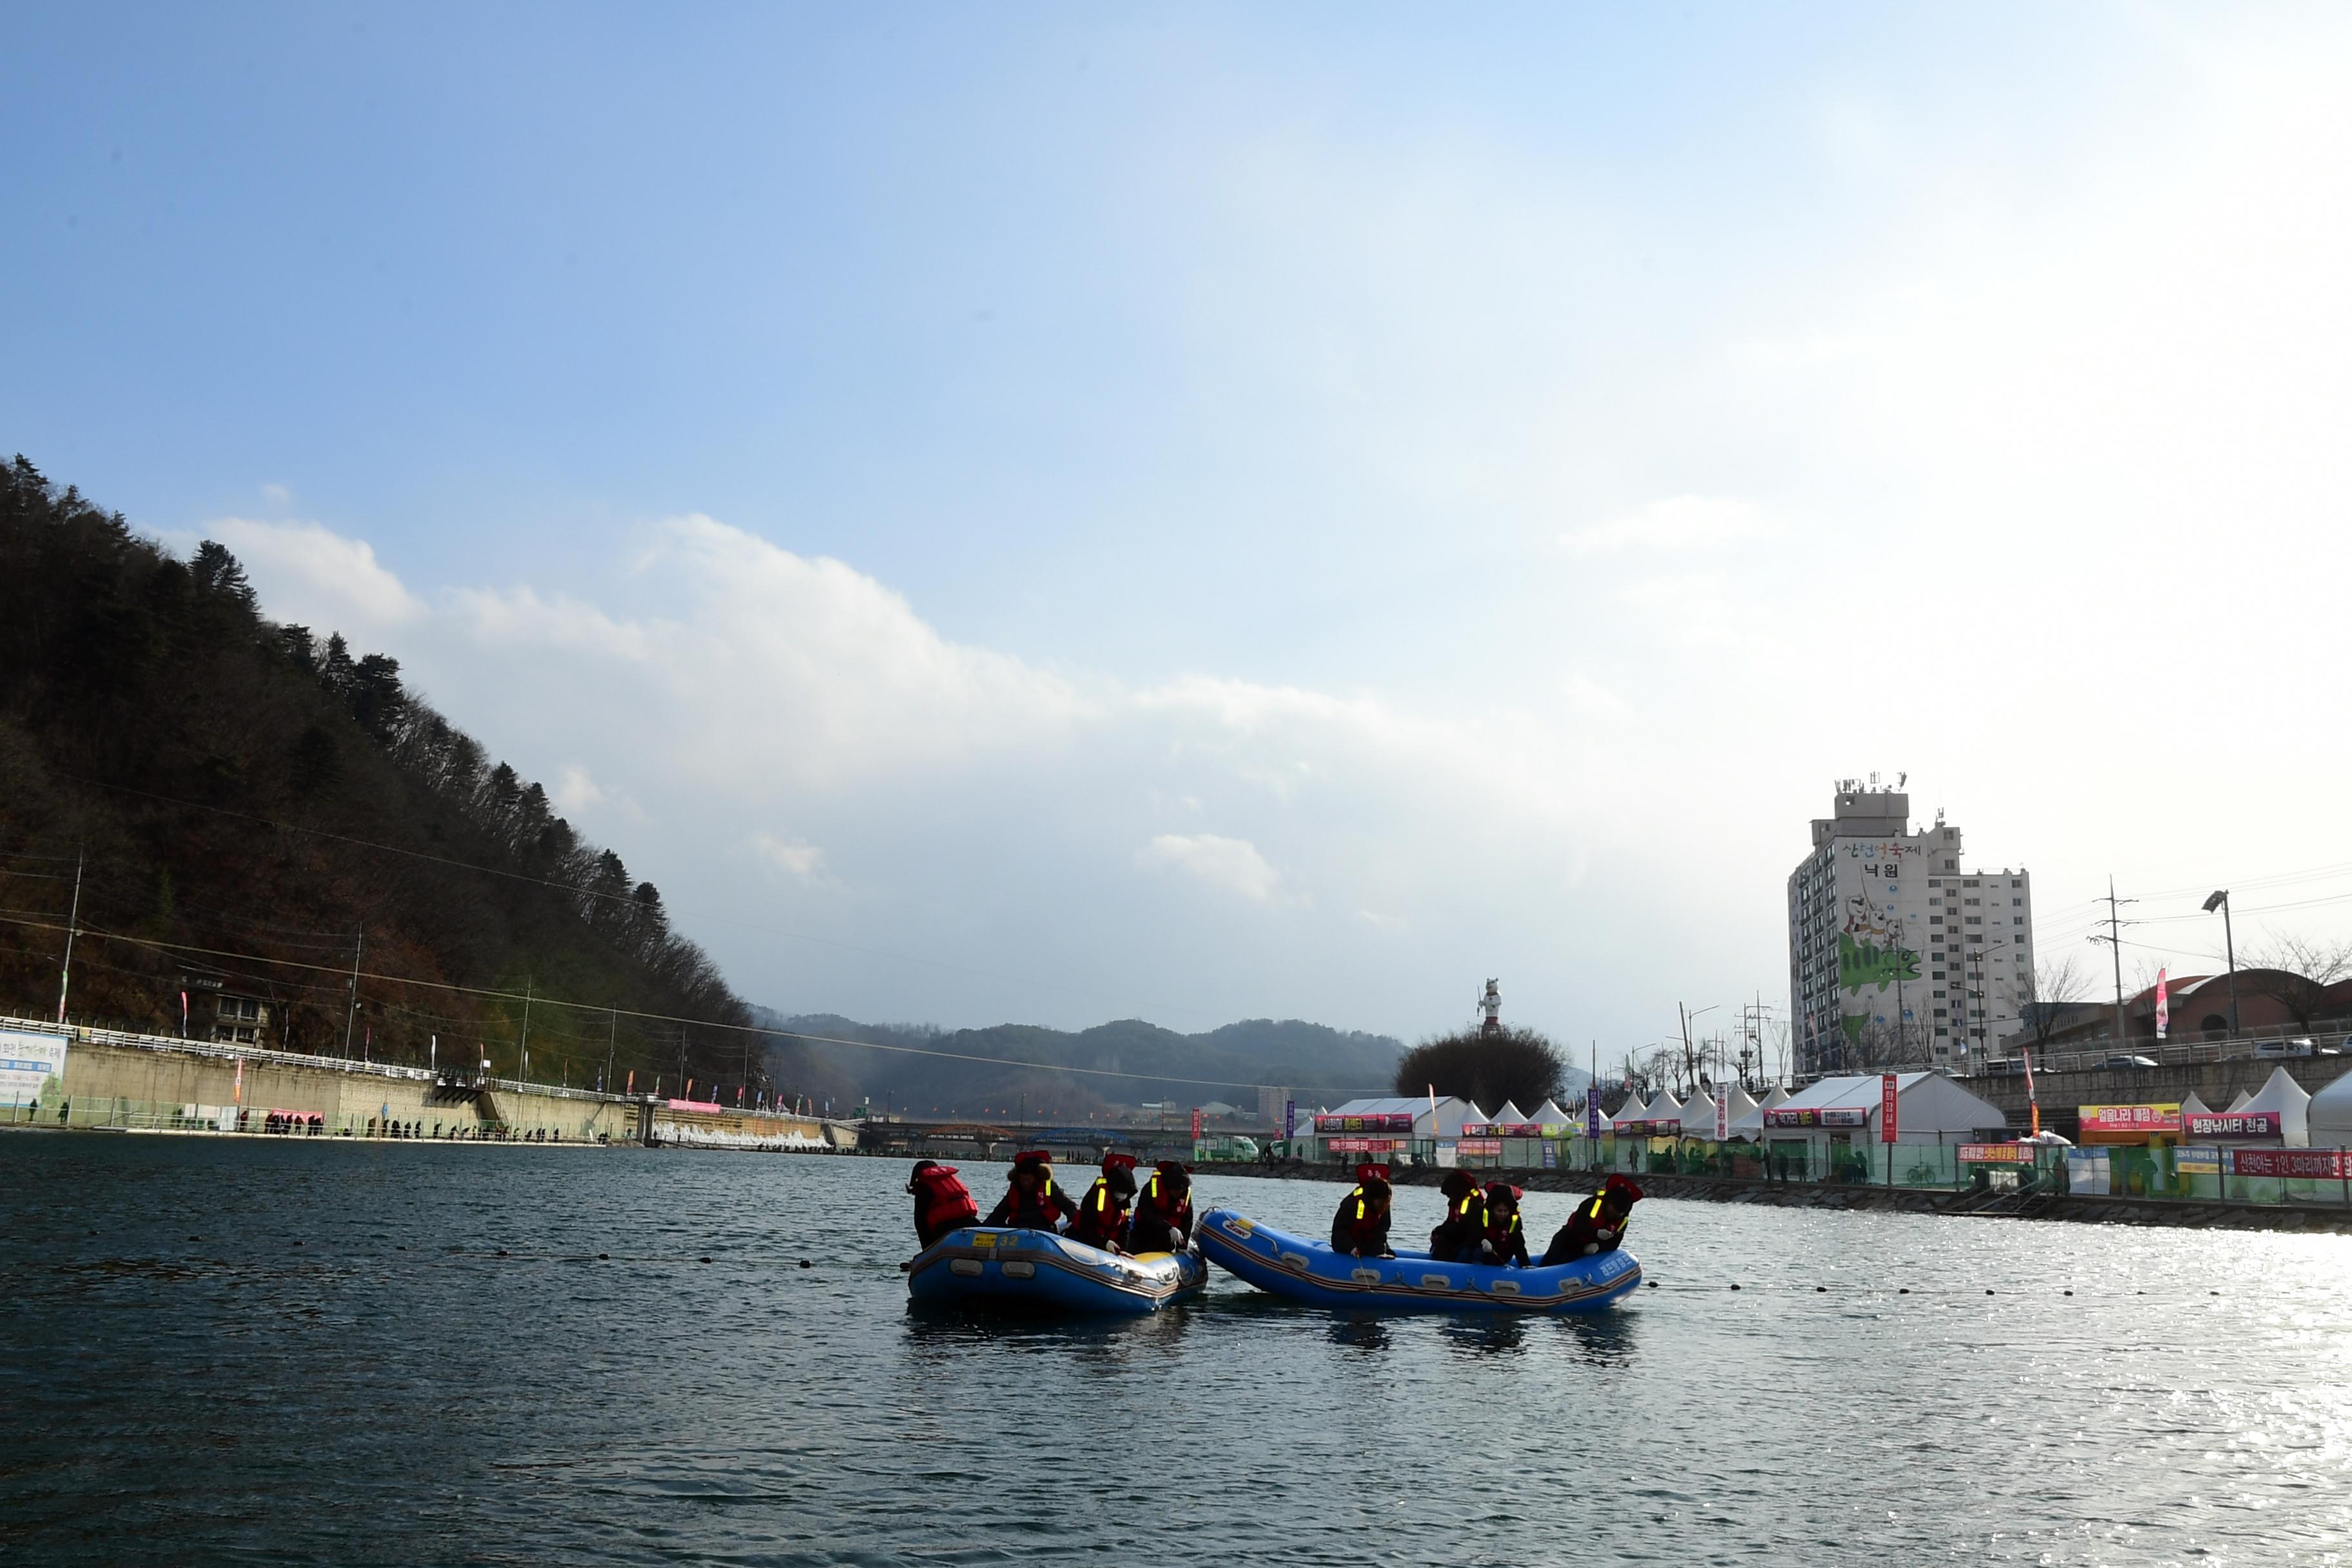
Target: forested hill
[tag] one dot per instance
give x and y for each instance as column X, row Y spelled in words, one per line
column 923, row 1074
column 258, row 809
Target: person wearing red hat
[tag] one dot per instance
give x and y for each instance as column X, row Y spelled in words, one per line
column 1102, row 1213
column 1360, row 1227
column 942, row 1202
column 1031, row 1201
column 1502, row 1241
column 1162, row 1221
column 1598, row 1225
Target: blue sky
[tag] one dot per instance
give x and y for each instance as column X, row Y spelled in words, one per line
column 1263, row 512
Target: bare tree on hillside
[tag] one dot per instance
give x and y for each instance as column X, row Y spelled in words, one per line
column 2295, row 972
column 2040, row 998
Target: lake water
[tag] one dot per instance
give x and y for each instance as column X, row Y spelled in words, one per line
column 248, row 1351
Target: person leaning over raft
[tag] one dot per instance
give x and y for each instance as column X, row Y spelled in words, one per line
column 1162, row 1221
column 1456, row 1239
column 1598, row 1225
column 1102, row 1213
column 1031, row 1201
column 1360, row 1227
column 942, row 1202
column 1503, row 1241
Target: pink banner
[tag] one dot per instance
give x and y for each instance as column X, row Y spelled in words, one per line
column 1997, row 1154
column 711, row 1106
column 1502, row 1129
column 2132, row 1121
column 1366, row 1145
column 1478, row 1146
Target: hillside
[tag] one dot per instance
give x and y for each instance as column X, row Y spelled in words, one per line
column 257, row 812
column 1322, row 1065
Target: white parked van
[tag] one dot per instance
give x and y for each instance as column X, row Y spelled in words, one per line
column 2299, row 1046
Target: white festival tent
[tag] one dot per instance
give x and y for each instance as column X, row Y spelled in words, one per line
column 2288, row 1101
column 1631, row 1111
column 1510, row 1113
column 2245, row 1097
column 1928, row 1108
column 2192, row 1105
column 2329, row 1117
column 1742, row 1103
column 1665, row 1108
column 1749, row 1123
column 1549, row 1115
column 1444, row 1122
column 1698, row 1114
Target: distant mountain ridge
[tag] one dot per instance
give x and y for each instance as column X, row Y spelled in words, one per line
column 1318, row 1064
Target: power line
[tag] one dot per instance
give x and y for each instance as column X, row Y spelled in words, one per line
column 656, row 1017
column 577, row 890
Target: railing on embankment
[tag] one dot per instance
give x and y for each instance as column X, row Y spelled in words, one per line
column 130, row 1082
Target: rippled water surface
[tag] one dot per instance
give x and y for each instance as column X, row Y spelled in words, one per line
column 248, row 1351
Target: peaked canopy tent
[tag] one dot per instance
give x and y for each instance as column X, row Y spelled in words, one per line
column 1549, row 1115
column 2289, row 1101
column 1742, row 1103
column 2245, row 1097
column 1928, row 1108
column 1511, row 1114
column 1397, row 1122
column 1698, row 1114
column 2328, row 1118
column 1630, row 1114
column 2193, row 1106
column 1665, row 1110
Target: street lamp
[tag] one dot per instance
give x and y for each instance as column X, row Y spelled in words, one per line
column 2220, row 900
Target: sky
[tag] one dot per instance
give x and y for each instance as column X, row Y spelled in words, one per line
column 1054, row 515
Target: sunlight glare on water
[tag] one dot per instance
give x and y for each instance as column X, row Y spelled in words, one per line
column 315, row 1353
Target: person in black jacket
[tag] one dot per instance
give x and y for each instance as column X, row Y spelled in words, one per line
column 1102, row 1214
column 1162, row 1221
column 1502, row 1241
column 1031, row 1200
column 1456, row 1236
column 1598, row 1225
column 1361, row 1227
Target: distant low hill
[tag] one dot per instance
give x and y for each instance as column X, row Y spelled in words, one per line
column 920, row 1070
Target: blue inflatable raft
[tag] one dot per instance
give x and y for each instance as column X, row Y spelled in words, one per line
column 1410, row 1281
column 1004, row 1267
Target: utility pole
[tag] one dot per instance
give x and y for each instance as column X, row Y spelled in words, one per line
column 351, row 1014
column 2114, row 941
column 73, row 922
column 527, row 983
column 612, row 1044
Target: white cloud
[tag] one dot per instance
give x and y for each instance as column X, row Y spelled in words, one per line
column 1677, row 523
column 277, row 495
column 318, row 577
column 790, row 855
column 1229, row 865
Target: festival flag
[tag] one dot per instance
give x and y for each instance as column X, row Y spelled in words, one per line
column 2025, row 1055
column 2163, row 1006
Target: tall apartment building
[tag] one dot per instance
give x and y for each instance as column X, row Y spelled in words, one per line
column 1897, row 956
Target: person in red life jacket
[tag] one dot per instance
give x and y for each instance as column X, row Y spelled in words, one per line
column 1360, row 1227
column 942, row 1202
column 1598, row 1225
column 1456, row 1239
column 1162, row 1221
column 1502, row 1241
column 1102, row 1213
column 1031, row 1200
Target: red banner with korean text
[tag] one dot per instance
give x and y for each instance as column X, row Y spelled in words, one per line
column 2323, row 1164
column 1886, row 1113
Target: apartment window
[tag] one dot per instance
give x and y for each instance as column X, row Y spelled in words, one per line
column 2016, row 882
column 2017, row 919
column 1969, row 883
column 1935, row 903
column 1971, row 903
column 1939, row 994
column 1935, row 882
column 1935, row 920
column 1976, row 920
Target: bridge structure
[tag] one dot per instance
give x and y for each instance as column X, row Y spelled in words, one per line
column 999, row 1140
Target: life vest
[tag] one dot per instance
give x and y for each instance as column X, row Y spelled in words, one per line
column 1500, row 1236
column 1469, row 1211
column 1600, row 1228
column 1102, row 1211
column 1178, row 1215
column 946, row 1202
column 1364, row 1225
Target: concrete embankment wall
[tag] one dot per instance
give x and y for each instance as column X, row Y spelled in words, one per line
column 1834, row 1195
column 2215, row 1083
column 143, row 1083
column 110, row 1085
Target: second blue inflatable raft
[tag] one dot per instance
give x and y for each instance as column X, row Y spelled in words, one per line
column 1410, row 1281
